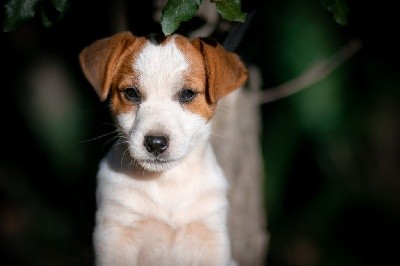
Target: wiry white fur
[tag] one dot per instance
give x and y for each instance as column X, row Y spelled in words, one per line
column 152, row 213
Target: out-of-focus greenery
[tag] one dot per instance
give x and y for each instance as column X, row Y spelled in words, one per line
column 176, row 11
column 173, row 13
column 332, row 151
column 339, row 9
column 18, row 12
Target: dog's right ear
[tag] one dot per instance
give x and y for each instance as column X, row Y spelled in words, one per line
column 225, row 71
column 100, row 60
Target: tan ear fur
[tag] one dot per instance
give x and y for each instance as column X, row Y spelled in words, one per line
column 99, row 61
column 225, row 71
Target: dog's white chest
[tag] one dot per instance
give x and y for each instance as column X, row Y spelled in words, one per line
column 183, row 195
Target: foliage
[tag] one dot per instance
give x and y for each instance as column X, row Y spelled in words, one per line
column 174, row 12
column 339, row 8
column 177, row 11
column 19, row 11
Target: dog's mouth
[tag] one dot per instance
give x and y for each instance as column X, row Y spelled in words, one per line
column 157, row 164
column 158, row 161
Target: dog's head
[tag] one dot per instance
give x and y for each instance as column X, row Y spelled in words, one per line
column 162, row 93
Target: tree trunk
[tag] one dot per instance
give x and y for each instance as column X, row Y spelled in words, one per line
column 236, row 143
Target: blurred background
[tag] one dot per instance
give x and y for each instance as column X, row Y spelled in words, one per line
column 331, row 152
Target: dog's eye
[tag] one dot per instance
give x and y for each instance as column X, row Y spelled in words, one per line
column 132, row 94
column 186, row 95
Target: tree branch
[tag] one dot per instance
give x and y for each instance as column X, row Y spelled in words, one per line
column 315, row 73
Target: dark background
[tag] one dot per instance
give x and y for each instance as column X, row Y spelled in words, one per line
column 331, row 152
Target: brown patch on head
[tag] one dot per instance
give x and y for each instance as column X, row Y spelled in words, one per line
column 107, row 64
column 214, row 72
column 195, row 79
column 125, row 77
column 225, row 71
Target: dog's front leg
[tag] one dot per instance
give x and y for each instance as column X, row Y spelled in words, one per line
column 115, row 246
column 198, row 244
column 143, row 243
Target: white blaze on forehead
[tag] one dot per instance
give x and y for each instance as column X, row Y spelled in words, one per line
column 160, row 68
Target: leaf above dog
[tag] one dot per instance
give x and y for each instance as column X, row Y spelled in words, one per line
column 177, row 11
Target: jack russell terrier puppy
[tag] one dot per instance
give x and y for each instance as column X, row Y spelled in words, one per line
column 161, row 195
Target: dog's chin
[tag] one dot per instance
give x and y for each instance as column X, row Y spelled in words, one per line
column 156, row 165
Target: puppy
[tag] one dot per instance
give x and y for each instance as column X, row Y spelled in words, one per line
column 161, row 195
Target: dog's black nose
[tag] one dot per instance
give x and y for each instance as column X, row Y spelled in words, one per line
column 156, row 144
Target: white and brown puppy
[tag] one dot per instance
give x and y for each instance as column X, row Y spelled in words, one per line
column 161, row 194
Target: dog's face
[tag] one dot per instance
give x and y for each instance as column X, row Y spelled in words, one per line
column 162, row 94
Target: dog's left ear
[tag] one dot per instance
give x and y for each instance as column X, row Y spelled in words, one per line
column 225, row 71
column 100, row 60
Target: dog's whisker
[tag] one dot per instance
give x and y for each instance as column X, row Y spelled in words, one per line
column 123, row 155
column 99, row 137
column 109, row 124
column 133, row 162
column 110, row 140
column 120, row 143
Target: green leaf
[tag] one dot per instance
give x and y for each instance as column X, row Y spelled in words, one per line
column 17, row 12
column 339, row 9
column 45, row 19
column 60, row 5
column 176, row 11
column 230, row 10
